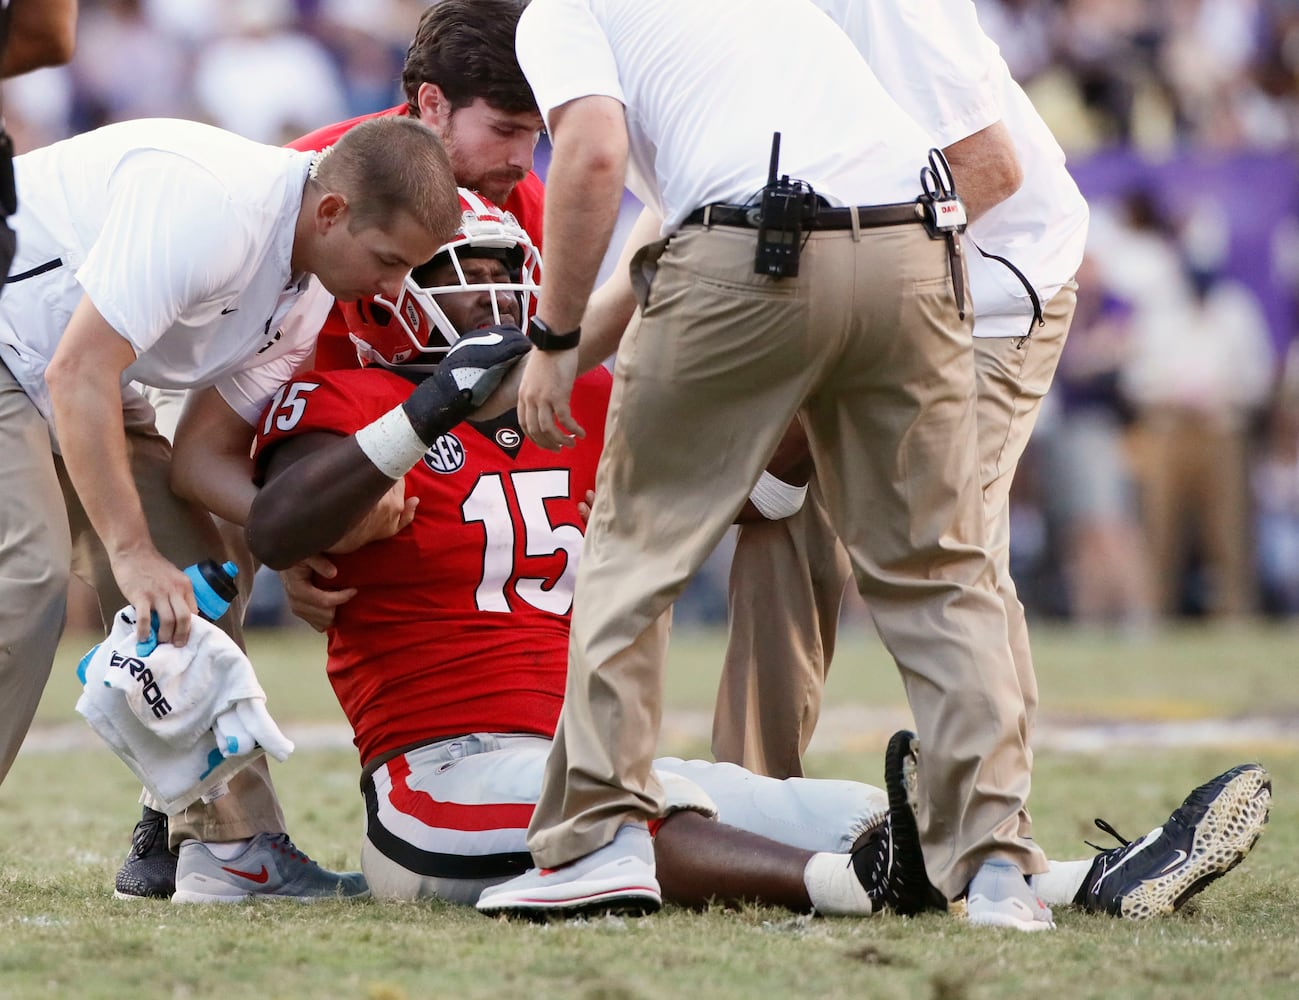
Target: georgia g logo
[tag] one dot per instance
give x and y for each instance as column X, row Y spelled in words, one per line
column 445, row 455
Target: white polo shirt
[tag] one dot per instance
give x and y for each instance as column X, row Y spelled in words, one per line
column 181, row 235
column 938, row 64
column 705, row 83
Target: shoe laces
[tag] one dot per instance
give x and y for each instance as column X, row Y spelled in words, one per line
column 1107, row 828
column 281, row 842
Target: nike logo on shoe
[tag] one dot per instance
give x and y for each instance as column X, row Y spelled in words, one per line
column 258, row 877
column 1177, row 860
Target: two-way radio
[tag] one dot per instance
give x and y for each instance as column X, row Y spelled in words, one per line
column 786, row 207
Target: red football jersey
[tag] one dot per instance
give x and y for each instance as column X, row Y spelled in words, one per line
column 526, row 202
column 460, row 622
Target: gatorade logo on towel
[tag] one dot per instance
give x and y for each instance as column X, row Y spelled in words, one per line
column 150, row 690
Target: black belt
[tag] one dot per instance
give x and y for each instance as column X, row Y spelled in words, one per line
column 868, row 216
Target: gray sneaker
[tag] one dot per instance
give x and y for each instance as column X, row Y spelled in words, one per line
column 617, row 878
column 999, row 897
column 269, row 868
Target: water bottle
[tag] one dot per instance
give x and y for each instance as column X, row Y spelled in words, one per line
column 214, row 589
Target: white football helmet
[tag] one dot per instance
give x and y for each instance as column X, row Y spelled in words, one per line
column 415, row 328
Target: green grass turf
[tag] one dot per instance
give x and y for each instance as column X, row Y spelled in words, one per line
column 65, row 819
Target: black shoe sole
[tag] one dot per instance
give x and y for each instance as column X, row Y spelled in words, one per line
column 916, row 893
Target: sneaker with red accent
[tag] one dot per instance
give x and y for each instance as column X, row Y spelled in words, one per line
column 617, row 878
column 270, row 867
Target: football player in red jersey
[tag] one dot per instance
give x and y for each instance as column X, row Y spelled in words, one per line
column 449, row 660
column 462, row 80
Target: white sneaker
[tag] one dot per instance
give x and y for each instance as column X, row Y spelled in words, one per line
column 999, row 897
column 617, row 878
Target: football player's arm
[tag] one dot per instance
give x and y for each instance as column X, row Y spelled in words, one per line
column 318, row 490
column 41, row 33
column 85, row 383
column 781, row 489
column 584, row 188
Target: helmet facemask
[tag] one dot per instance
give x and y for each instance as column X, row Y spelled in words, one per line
column 416, row 329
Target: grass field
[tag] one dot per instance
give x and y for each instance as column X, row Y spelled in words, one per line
column 65, row 817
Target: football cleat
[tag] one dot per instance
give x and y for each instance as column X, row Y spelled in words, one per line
column 617, row 878
column 270, row 867
column 1205, row 837
column 149, row 871
column 891, row 864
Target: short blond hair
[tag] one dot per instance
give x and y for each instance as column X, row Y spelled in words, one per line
column 388, row 165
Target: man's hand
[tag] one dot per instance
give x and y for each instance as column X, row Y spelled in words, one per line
column 394, row 512
column 314, row 605
column 464, row 379
column 153, row 586
column 544, row 393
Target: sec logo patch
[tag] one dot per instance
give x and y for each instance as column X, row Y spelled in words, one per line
column 445, row 455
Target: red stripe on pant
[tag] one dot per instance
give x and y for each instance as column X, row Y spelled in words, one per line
column 453, row 815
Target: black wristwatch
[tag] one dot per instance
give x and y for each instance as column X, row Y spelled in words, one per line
column 546, row 339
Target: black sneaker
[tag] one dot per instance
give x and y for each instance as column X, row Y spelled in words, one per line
column 1206, row 836
column 149, row 871
column 890, row 863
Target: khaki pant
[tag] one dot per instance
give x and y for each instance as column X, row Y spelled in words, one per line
column 867, row 342
column 787, row 576
column 45, row 535
column 1194, row 477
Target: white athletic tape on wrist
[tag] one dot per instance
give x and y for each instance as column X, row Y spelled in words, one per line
column 391, row 443
column 775, row 498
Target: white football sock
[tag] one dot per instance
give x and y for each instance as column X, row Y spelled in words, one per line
column 1059, row 885
column 833, row 886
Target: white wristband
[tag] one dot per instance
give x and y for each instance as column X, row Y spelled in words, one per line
column 391, row 443
column 775, row 498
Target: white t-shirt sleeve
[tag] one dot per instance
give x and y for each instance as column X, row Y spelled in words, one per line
column 565, row 54
column 247, row 392
column 170, row 241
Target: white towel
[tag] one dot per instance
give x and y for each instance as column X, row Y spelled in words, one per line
column 184, row 719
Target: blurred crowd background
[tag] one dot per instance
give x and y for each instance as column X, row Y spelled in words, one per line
column 1163, row 480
